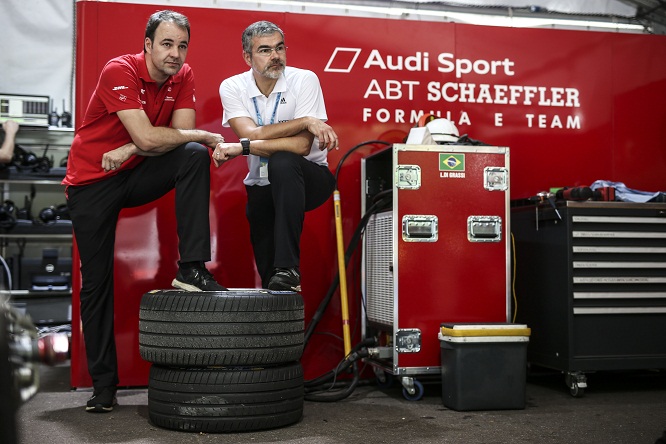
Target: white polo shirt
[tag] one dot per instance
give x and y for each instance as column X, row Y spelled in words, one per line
column 297, row 93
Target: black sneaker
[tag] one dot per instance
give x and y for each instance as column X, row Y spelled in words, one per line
column 102, row 401
column 285, row 279
column 196, row 279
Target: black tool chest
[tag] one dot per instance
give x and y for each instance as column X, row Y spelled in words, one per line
column 591, row 283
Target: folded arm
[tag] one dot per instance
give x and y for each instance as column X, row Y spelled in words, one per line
column 149, row 140
column 245, row 127
column 265, row 140
column 159, row 139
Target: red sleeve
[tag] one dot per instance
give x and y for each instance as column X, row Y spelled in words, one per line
column 119, row 87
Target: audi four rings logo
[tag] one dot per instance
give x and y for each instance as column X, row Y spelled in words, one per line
column 342, row 60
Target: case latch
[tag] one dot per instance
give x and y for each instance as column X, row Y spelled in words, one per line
column 495, row 178
column 408, row 177
column 408, row 340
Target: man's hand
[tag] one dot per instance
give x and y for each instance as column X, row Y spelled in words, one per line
column 327, row 138
column 226, row 151
column 10, row 127
column 114, row 158
column 213, row 140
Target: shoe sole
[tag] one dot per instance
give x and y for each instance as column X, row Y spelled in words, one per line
column 183, row 286
column 99, row 408
column 287, row 288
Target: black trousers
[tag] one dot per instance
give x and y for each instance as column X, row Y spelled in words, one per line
column 276, row 211
column 94, row 210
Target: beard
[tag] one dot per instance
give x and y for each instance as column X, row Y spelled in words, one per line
column 274, row 71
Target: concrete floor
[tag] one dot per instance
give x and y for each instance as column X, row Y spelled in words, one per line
column 618, row 407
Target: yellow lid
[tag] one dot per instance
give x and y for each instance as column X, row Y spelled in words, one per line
column 486, row 330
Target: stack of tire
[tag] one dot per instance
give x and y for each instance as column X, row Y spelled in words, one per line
column 223, row 361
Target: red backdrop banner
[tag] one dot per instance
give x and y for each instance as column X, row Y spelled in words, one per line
column 572, row 106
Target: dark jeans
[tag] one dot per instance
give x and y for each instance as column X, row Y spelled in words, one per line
column 94, row 210
column 276, row 211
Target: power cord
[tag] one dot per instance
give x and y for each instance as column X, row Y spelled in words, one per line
column 8, row 274
column 321, row 389
column 382, row 202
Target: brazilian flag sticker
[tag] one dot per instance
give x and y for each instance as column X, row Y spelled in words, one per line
column 451, row 162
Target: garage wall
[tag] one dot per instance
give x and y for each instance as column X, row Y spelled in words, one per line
column 39, row 37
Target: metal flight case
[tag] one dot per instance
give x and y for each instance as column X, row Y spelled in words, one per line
column 438, row 254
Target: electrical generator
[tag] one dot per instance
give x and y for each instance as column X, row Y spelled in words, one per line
column 438, row 253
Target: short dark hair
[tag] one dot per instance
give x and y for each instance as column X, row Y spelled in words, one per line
column 258, row 29
column 165, row 16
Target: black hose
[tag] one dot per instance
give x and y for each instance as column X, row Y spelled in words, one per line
column 356, row 353
column 321, row 391
column 378, row 205
column 350, row 249
column 313, row 388
column 336, row 396
column 323, row 382
column 354, row 148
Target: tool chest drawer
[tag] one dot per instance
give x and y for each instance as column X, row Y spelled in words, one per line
column 591, row 283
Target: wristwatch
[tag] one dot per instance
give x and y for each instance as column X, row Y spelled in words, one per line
column 245, row 143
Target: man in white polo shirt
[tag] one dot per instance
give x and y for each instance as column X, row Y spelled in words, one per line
column 278, row 113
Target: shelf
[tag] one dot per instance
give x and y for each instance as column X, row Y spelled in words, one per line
column 26, row 229
column 65, row 237
column 11, row 174
column 50, row 302
column 36, row 293
column 56, row 137
column 45, row 307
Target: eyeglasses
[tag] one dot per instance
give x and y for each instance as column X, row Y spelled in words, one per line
column 266, row 51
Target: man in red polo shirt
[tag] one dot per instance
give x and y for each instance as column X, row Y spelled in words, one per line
column 136, row 143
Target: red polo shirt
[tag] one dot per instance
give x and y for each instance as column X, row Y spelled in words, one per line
column 123, row 84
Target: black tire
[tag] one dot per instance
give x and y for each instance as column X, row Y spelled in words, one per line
column 226, row 328
column 214, row 400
